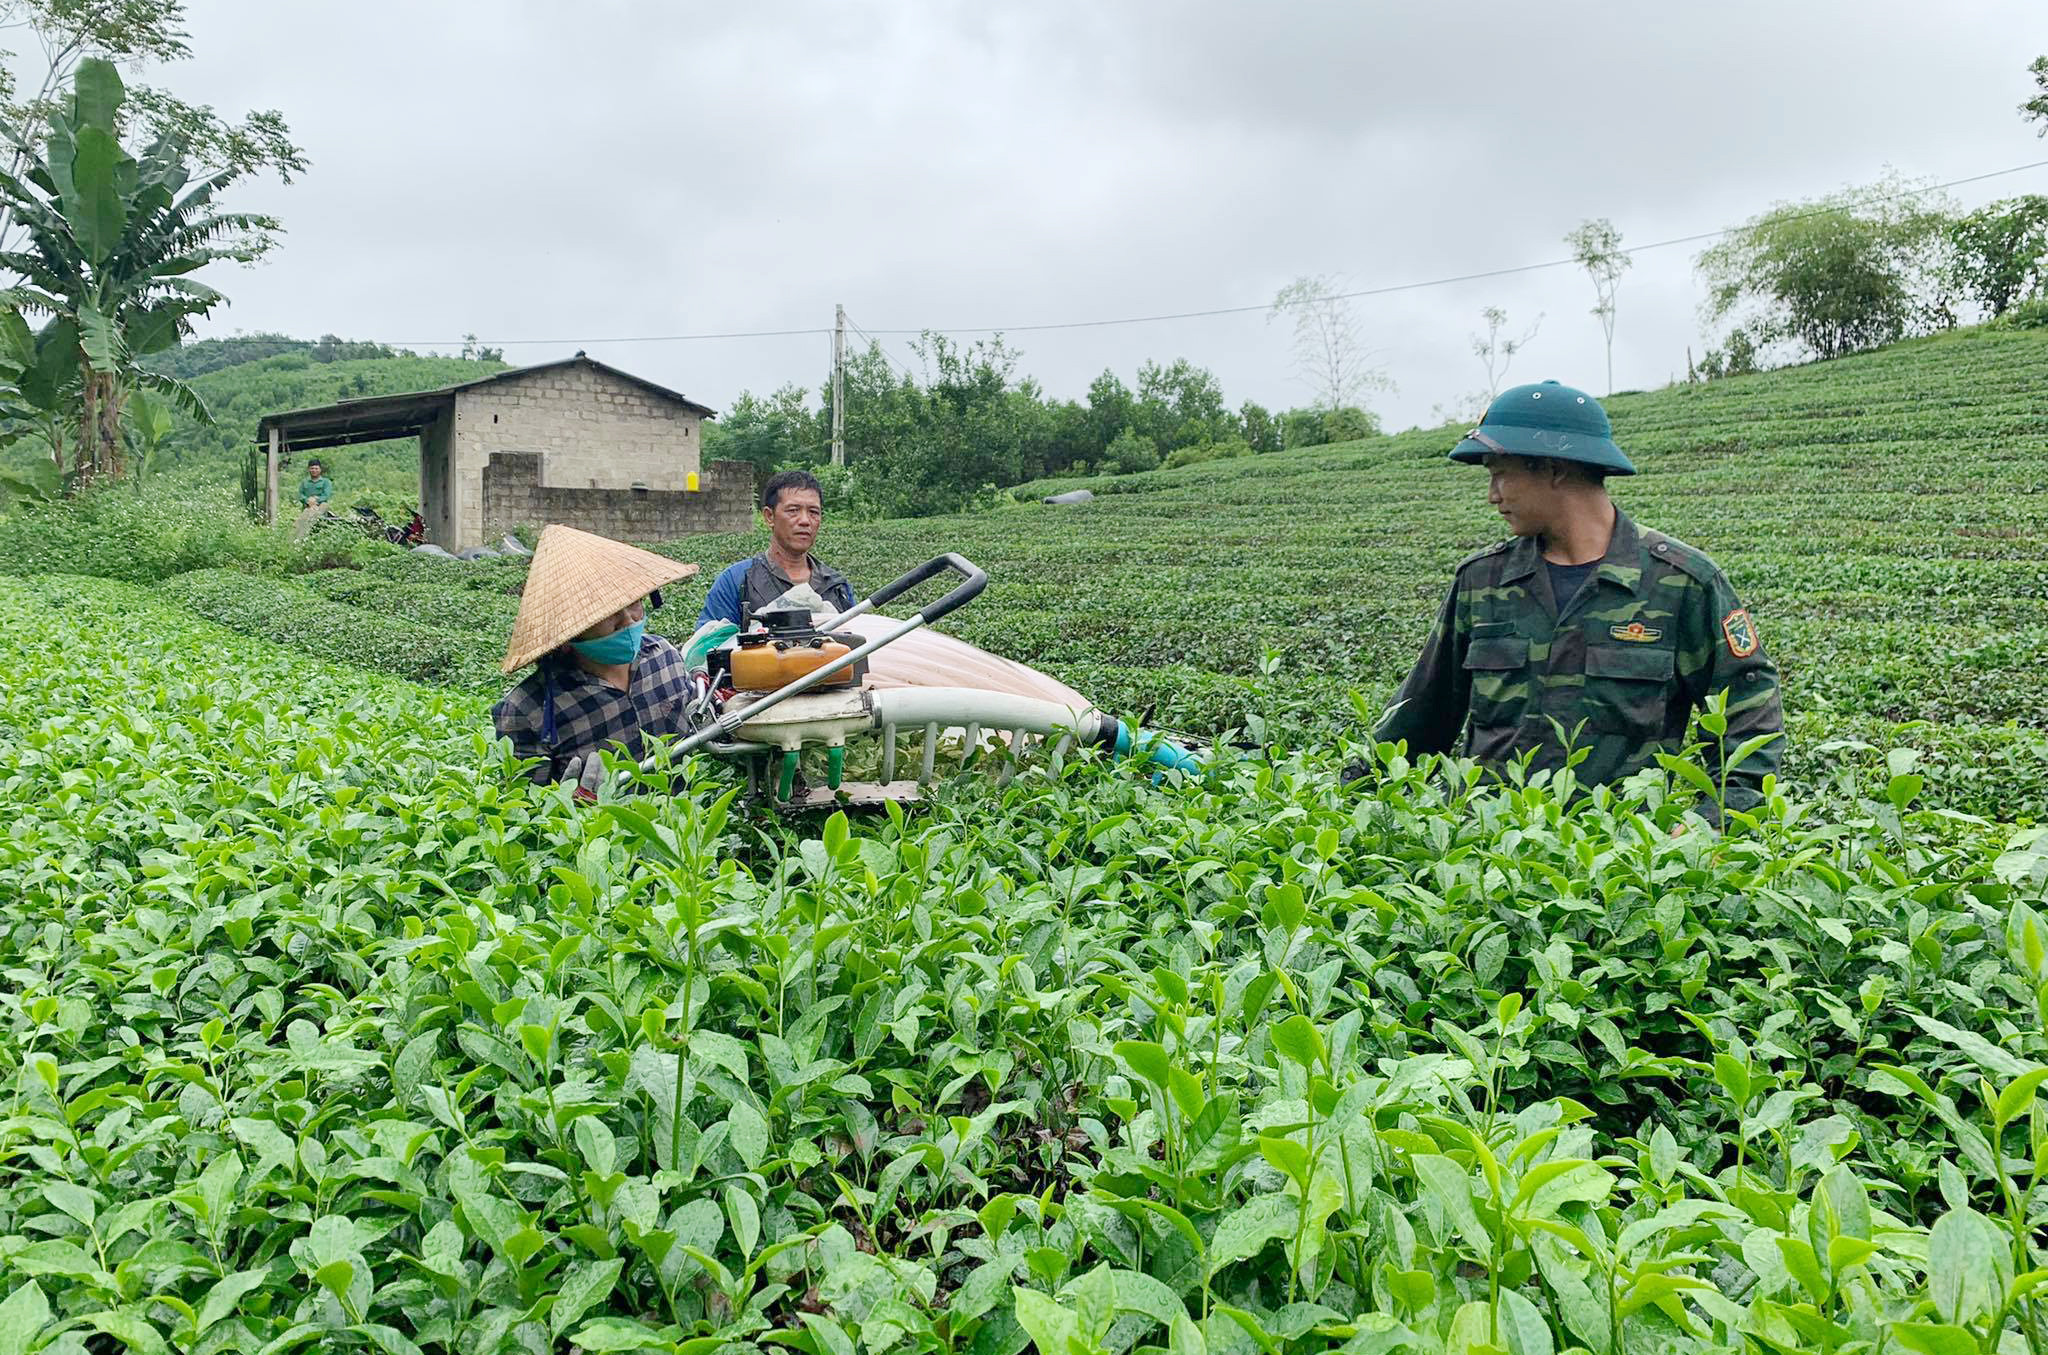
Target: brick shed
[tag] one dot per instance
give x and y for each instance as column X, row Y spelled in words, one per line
column 575, row 441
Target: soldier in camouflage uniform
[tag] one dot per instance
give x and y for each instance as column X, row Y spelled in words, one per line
column 1582, row 620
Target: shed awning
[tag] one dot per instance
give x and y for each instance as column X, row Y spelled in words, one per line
column 374, row 418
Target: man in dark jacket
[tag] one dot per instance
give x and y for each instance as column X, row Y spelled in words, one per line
column 1583, row 626
column 793, row 509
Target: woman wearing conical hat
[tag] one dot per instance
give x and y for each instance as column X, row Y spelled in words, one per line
column 599, row 679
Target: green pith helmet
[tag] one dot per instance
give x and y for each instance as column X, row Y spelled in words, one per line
column 1545, row 419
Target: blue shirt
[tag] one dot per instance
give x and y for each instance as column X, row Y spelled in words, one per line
column 755, row 582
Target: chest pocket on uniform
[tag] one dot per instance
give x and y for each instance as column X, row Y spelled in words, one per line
column 1628, row 687
column 1499, row 668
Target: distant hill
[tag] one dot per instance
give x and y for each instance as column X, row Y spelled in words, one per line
column 239, row 395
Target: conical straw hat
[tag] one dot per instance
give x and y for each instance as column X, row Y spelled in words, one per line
column 577, row 579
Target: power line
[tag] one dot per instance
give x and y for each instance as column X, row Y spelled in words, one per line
column 1461, row 277
column 901, row 371
column 1385, row 290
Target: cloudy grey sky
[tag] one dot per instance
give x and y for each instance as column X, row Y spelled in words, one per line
column 594, row 172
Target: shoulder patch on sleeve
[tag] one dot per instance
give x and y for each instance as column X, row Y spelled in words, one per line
column 1740, row 633
column 1680, row 556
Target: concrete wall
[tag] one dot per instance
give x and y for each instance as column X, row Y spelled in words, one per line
column 437, row 483
column 513, row 495
column 592, row 431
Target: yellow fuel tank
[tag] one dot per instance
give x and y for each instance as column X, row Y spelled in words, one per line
column 777, row 663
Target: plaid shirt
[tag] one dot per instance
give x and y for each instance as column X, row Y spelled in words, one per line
column 560, row 711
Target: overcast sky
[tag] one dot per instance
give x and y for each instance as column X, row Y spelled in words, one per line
column 589, row 174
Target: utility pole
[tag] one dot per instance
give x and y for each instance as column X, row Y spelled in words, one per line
column 839, row 386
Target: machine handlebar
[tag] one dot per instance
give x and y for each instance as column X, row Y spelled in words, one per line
column 973, row 580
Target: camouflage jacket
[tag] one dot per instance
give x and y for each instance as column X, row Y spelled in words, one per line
column 1655, row 630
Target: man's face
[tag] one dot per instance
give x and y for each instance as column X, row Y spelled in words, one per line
column 315, row 469
column 794, row 519
column 617, row 621
column 1524, row 494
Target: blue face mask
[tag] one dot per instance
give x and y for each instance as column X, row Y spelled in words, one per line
column 621, row 646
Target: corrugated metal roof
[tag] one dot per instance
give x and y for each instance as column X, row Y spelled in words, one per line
column 373, row 418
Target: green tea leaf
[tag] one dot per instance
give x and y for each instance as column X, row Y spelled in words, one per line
column 1450, row 1187
column 1551, row 1185
column 1287, row 1155
column 748, row 1134
column 2017, row 1095
column 1523, row 1328
column 1053, row 1329
column 1147, row 1061
column 74, row 1200
column 585, row 1284
column 222, row 1298
column 1733, row 1077
column 594, row 1141
column 1935, row 1338
column 1991, row 1057
column 22, row 1317
column 617, row 1333
column 1248, row 1228
column 1804, row 1266
column 130, row 1328
column 1298, row 1039
column 1968, row 1266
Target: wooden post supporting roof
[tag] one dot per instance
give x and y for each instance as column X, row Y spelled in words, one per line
column 270, row 480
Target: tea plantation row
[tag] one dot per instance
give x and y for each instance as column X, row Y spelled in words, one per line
column 328, row 1031
column 1886, row 518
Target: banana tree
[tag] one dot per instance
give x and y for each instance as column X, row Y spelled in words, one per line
column 112, row 240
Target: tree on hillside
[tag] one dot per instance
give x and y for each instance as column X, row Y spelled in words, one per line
column 1112, row 409
column 332, row 348
column 966, row 420
column 1302, row 428
column 1328, row 352
column 2036, row 108
column 1597, row 247
column 1129, row 452
column 112, row 241
column 769, row 434
column 1257, row 426
column 1181, row 405
column 1837, row 275
column 1999, row 253
column 1496, row 350
column 137, row 34
column 1349, row 424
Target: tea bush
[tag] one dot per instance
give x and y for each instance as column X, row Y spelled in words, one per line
column 293, row 614
column 327, row 1030
column 1880, row 514
column 484, row 611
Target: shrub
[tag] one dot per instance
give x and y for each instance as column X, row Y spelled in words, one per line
column 1228, row 449
column 1128, row 453
column 1191, row 456
column 117, row 533
column 1302, row 428
column 2027, row 315
column 1350, row 424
